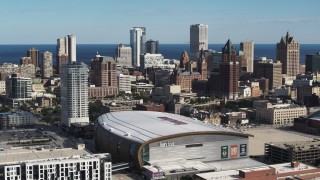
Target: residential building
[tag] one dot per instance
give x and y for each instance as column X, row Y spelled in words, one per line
column 72, row 48
column 6, row 69
column 34, row 54
column 12, row 119
column 248, row 49
column 198, row 39
column 47, row 69
column 124, row 55
column 312, row 63
column 266, row 68
column 55, row 164
column 288, row 53
column 279, row 114
column 26, row 60
column 137, row 43
column 103, row 77
column 152, row 47
column 124, row 83
column 18, row 89
column 62, row 52
column 27, row 70
column 74, row 94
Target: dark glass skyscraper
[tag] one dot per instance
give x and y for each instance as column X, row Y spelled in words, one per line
column 152, row 47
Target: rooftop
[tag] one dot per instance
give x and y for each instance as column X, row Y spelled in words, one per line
column 142, row 126
column 298, row 145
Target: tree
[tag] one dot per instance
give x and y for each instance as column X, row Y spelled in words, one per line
column 94, row 109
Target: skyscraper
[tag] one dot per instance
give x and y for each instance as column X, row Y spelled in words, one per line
column 137, row 43
column 72, row 48
column 198, row 39
column 123, row 55
column 229, row 72
column 47, row 70
column 288, row 52
column 34, row 54
column 152, row 47
column 74, row 94
column 62, row 52
column 103, row 78
column 313, row 62
column 248, row 49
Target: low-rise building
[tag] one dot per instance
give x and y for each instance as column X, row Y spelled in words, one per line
column 244, row 91
column 150, row 107
column 12, row 119
column 142, row 87
column 279, row 114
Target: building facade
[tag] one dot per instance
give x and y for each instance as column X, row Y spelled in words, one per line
column 124, row 55
column 288, row 53
column 76, row 167
column 124, row 83
column 34, row 54
column 47, row 69
column 229, row 72
column 103, row 77
column 152, row 47
column 74, row 94
column 72, row 48
column 198, row 39
column 62, row 52
column 137, row 43
column 151, row 60
column 11, row 119
column 279, row 114
column 266, row 68
column 248, row 49
column 18, row 89
column 312, row 63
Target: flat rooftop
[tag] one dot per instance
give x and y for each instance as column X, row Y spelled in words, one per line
column 234, row 174
column 18, row 155
column 298, row 145
column 142, row 126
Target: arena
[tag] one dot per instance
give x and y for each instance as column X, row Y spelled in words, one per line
column 145, row 138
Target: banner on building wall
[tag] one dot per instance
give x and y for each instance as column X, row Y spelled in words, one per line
column 243, row 150
column 234, row 151
column 224, row 151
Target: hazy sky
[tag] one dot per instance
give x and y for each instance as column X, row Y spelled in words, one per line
column 109, row 21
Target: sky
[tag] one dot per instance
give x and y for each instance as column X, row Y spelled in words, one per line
column 109, row 21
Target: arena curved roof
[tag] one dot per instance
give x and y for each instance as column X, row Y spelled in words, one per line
column 143, row 126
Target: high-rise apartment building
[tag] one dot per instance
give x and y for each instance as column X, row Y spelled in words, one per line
column 137, row 43
column 288, row 52
column 248, row 49
column 34, row 54
column 47, row 69
column 229, row 72
column 124, row 55
column 72, row 48
column 266, row 68
column 103, row 77
column 152, row 47
column 313, row 63
column 198, row 39
column 62, row 52
column 74, row 94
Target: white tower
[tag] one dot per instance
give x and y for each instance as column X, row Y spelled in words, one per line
column 74, row 94
column 137, row 43
column 72, row 48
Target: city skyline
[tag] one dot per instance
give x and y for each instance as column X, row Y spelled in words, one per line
column 109, row 22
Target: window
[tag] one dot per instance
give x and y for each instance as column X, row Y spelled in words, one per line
column 193, row 145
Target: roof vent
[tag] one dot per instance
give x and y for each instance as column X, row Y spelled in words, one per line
column 128, row 135
column 110, row 129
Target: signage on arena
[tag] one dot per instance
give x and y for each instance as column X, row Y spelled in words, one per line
column 166, row 144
